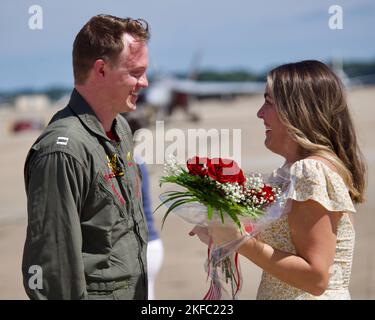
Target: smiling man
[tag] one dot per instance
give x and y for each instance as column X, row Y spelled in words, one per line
column 86, row 233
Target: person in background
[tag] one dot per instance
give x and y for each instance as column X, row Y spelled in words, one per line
column 155, row 250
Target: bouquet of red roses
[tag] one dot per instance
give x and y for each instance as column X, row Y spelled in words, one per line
column 217, row 189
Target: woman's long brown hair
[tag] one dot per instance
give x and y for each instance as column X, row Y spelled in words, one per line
column 310, row 100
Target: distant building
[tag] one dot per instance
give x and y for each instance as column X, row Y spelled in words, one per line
column 34, row 103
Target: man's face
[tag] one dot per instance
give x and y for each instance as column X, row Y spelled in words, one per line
column 128, row 76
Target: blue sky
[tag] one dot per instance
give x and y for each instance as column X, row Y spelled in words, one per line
column 255, row 35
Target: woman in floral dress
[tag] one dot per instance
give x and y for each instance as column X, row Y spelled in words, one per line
column 308, row 252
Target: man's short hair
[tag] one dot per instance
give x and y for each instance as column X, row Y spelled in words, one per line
column 102, row 38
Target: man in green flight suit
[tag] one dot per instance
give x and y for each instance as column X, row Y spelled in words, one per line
column 86, row 234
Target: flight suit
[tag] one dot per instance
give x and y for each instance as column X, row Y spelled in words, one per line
column 86, row 228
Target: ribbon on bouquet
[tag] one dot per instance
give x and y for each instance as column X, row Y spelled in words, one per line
column 218, row 258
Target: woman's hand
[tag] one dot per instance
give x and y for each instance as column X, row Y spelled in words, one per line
column 222, row 234
column 217, row 233
column 202, row 233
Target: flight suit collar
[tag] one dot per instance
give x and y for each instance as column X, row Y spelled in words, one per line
column 83, row 110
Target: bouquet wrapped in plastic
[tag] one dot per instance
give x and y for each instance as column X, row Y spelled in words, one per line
column 216, row 191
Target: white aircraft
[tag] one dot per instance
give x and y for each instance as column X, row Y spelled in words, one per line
column 161, row 90
column 167, row 93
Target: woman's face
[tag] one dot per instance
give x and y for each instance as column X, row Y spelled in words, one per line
column 277, row 139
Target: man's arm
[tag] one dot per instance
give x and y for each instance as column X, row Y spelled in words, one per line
column 56, row 187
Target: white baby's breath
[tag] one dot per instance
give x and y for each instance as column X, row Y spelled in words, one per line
column 250, row 195
column 171, row 167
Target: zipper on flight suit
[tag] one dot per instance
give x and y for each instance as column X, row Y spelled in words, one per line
column 135, row 223
column 118, row 148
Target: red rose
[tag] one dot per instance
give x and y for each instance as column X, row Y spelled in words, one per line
column 225, row 170
column 267, row 194
column 198, row 166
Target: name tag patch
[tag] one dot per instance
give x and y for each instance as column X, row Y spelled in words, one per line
column 62, row 140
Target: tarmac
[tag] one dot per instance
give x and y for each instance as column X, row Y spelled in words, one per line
column 182, row 275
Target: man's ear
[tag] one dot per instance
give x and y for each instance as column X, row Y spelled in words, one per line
column 99, row 68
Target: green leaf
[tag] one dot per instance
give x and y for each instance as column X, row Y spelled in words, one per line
column 209, row 211
column 175, row 204
column 234, row 217
column 221, row 215
column 171, row 198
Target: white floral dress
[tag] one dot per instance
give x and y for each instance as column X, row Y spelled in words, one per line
column 312, row 179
